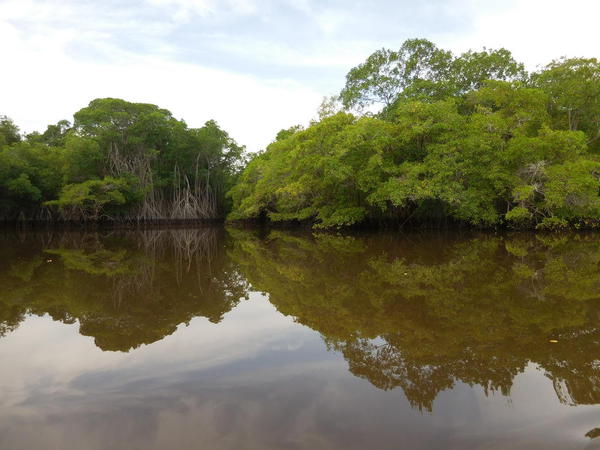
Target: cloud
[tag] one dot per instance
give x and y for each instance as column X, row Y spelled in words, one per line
column 251, row 110
column 46, row 83
column 184, row 10
column 255, row 66
column 536, row 31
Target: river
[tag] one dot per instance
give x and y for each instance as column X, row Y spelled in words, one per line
column 228, row 338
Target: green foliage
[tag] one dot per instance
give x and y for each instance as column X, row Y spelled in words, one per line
column 314, row 173
column 572, row 189
column 573, row 86
column 54, row 136
column 519, row 216
column 97, row 199
column 119, row 160
column 22, row 187
column 9, row 132
column 468, row 139
column 84, row 159
column 387, row 73
column 552, row 224
column 30, row 173
column 420, row 70
column 472, row 69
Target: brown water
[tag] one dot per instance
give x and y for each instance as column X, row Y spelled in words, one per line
column 231, row 339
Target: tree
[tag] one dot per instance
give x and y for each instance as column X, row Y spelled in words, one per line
column 486, row 157
column 313, row 174
column 182, row 172
column 573, row 86
column 420, row 70
column 30, row 173
column 387, row 73
column 96, row 199
column 55, row 135
column 9, row 132
column 472, row 69
column 170, row 171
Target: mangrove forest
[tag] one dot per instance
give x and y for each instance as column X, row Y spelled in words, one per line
column 118, row 161
column 417, row 135
column 421, row 135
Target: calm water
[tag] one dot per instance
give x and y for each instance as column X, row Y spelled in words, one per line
column 230, row 339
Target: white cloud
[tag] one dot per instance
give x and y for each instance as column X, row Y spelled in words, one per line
column 44, row 84
column 536, row 31
column 301, row 5
column 181, row 54
column 183, row 10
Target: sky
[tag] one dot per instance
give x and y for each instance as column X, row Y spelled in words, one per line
column 254, row 66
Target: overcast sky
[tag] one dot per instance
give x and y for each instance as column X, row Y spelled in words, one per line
column 255, row 66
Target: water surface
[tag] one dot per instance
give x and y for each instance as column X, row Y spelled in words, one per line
column 234, row 339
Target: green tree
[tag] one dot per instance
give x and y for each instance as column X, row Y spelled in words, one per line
column 573, row 86
column 387, row 73
column 30, row 173
column 313, row 174
column 97, row 199
column 420, row 70
column 9, row 132
column 472, row 69
column 485, row 149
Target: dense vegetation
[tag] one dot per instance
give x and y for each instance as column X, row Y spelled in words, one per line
column 416, row 135
column 118, row 161
column 471, row 139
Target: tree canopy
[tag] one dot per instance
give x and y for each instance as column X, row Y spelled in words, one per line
column 117, row 161
column 471, row 139
column 416, row 135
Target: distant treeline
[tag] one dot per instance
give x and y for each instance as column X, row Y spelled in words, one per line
column 118, row 161
column 421, row 135
column 416, row 135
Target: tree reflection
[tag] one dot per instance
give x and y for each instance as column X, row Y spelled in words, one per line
column 419, row 312
column 124, row 289
column 423, row 312
column 593, row 434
